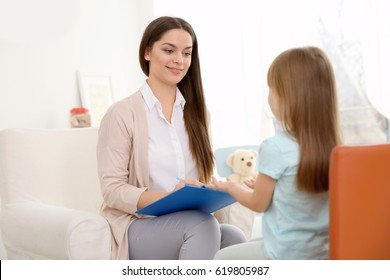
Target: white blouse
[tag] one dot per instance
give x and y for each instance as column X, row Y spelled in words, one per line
column 169, row 152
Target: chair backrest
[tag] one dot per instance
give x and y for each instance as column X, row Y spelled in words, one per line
column 221, row 155
column 360, row 202
column 51, row 166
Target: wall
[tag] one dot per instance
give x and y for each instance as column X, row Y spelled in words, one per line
column 44, row 42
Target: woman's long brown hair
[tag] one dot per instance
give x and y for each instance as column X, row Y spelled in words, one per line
column 195, row 111
column 304, row 81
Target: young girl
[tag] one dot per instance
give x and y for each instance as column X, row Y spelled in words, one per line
column 292, row 185
column 149, row 139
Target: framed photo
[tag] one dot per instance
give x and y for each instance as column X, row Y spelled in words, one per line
column 95, row 94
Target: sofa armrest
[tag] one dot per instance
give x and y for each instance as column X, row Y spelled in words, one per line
column 35, row 230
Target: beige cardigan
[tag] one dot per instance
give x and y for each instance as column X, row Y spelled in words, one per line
column 123, row 168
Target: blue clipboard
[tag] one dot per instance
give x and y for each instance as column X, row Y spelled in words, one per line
column 189, row 198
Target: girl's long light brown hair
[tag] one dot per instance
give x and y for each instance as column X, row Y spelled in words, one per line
column 195, row 111
column 304, row 82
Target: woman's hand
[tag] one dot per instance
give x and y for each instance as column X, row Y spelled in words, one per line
column 191, row 182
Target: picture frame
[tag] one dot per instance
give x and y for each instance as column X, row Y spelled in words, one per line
column 96, row 95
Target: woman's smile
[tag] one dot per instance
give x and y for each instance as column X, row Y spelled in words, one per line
column 174, row 70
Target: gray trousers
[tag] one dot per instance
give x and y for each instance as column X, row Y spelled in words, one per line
column 185, row 235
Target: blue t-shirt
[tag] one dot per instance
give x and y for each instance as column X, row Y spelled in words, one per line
column 295, row 225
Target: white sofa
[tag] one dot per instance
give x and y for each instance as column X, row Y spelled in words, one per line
column 51, row 195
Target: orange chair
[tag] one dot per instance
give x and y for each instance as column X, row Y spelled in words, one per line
column 359, row 193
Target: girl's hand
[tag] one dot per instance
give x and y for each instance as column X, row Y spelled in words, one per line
column 250, row 182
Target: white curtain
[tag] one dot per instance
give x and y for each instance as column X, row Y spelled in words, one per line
column 377, row 54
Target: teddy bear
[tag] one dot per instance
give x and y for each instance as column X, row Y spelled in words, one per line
column 243, row 164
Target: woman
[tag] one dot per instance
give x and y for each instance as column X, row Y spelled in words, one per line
column 148, row 140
